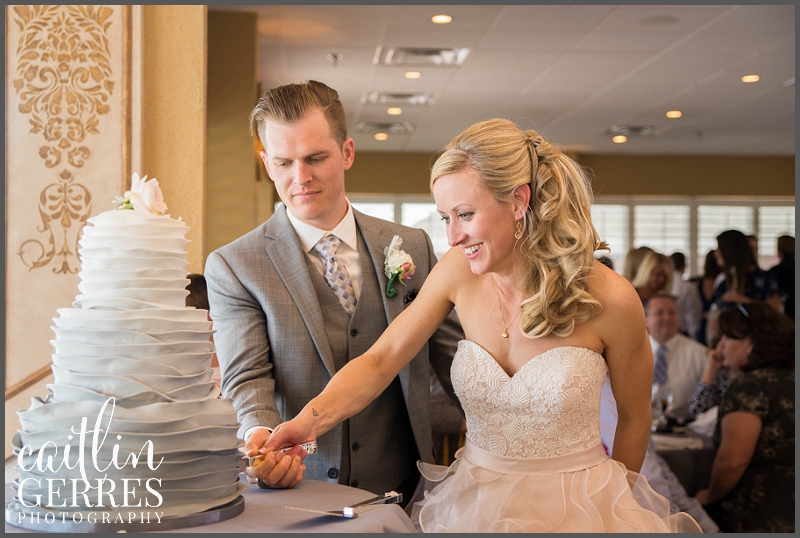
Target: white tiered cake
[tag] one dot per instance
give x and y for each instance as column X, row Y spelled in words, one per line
column 132, row 369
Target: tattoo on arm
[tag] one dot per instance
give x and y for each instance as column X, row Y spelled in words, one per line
column 314, row 412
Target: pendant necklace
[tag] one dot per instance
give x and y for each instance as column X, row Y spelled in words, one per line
column 500, row 308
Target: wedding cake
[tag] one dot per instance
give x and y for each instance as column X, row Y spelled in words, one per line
column 133, row 423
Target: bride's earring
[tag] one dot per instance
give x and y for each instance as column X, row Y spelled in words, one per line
column 518, row 234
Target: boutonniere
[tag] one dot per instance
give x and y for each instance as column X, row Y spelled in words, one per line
column 144, row 196
column 398, row 265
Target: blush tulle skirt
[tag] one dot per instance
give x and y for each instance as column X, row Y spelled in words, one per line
column 585, row 491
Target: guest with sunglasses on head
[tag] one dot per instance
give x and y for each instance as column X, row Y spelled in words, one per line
column 752, row 480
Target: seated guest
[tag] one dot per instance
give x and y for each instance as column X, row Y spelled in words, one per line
column 654, row 468
column 633, row 259
column 654, row 275
column 713, row 384
column 752, row 481
column 744, row 280
column 687, row 297
column 679, row 360
column 705, row 287
column 783, row 273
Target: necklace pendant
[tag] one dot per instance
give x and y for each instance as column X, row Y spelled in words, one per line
column 505, row 333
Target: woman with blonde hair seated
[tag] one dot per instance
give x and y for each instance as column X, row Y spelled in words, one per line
column 544, row 322
column 653, row 275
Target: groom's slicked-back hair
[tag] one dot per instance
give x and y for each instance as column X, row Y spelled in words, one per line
column 292, row 102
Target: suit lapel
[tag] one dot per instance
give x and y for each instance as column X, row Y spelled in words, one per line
column 287, row 255
column 377, row 239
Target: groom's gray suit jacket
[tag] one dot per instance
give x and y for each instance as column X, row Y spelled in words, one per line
column 281, row 335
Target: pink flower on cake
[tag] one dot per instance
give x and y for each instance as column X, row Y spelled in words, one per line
column 145, row 195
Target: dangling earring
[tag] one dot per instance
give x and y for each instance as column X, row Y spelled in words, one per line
column 518, row 234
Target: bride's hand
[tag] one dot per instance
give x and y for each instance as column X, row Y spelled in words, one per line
column 290, row 433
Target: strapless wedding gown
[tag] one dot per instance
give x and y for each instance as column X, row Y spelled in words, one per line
column 533, row 460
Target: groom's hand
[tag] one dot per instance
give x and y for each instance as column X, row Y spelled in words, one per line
column 274, row 469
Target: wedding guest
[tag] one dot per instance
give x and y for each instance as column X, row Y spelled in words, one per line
column 784, row 275
column 543, row 325
column 753, row 477
column 712, row 385
column 633, row 259
column 654, row 275
column 679, row 360
column 690, row 309
column 744, row 280
column 305, row 292
column 752, row 240
column 705, row 287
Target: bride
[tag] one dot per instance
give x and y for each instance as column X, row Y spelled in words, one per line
column 543, row 323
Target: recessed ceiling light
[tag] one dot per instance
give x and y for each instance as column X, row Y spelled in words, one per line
column 412, row 74
column 394, row 111
column 441, row 19
column 751, row 78
column 674, row 114
column 381, row 136
column 620, row 139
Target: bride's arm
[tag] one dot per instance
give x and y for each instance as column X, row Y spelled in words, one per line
column 630, row 365
column 365, row 377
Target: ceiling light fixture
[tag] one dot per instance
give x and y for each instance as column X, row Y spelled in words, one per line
column 674, row 114
column 381, row 136
column 412, row 74
column 750, row 78
column 441, row 19
column 620, row 139
column 394, row 111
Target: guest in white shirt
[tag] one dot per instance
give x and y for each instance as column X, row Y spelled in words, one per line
column 690, row 308
column 679, row 360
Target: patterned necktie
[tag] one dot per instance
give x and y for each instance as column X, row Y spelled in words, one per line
column 660, row 368
column 336, row 274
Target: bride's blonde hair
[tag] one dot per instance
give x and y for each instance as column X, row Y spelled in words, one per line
column 559, row 239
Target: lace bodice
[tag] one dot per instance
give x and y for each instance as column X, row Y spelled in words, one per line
column 550, row 407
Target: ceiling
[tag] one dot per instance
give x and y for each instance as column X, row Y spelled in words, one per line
column 569, row 71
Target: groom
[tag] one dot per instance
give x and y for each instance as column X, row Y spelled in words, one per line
column 298, row 297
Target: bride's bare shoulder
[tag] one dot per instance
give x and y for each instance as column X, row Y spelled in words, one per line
column 613, row 290
column 452, row 272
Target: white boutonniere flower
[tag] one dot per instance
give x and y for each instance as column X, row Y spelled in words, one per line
column 398, row 265
column 145, row 195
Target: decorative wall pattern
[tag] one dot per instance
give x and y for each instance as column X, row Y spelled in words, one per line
column 63, row 78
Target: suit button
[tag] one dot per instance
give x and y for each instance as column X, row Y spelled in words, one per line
column 356, row 446
column 354, row 483
column 353, row 332
column 333, row 473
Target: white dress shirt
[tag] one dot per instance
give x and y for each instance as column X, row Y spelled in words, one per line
column 348, row 250
column 686, row 359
